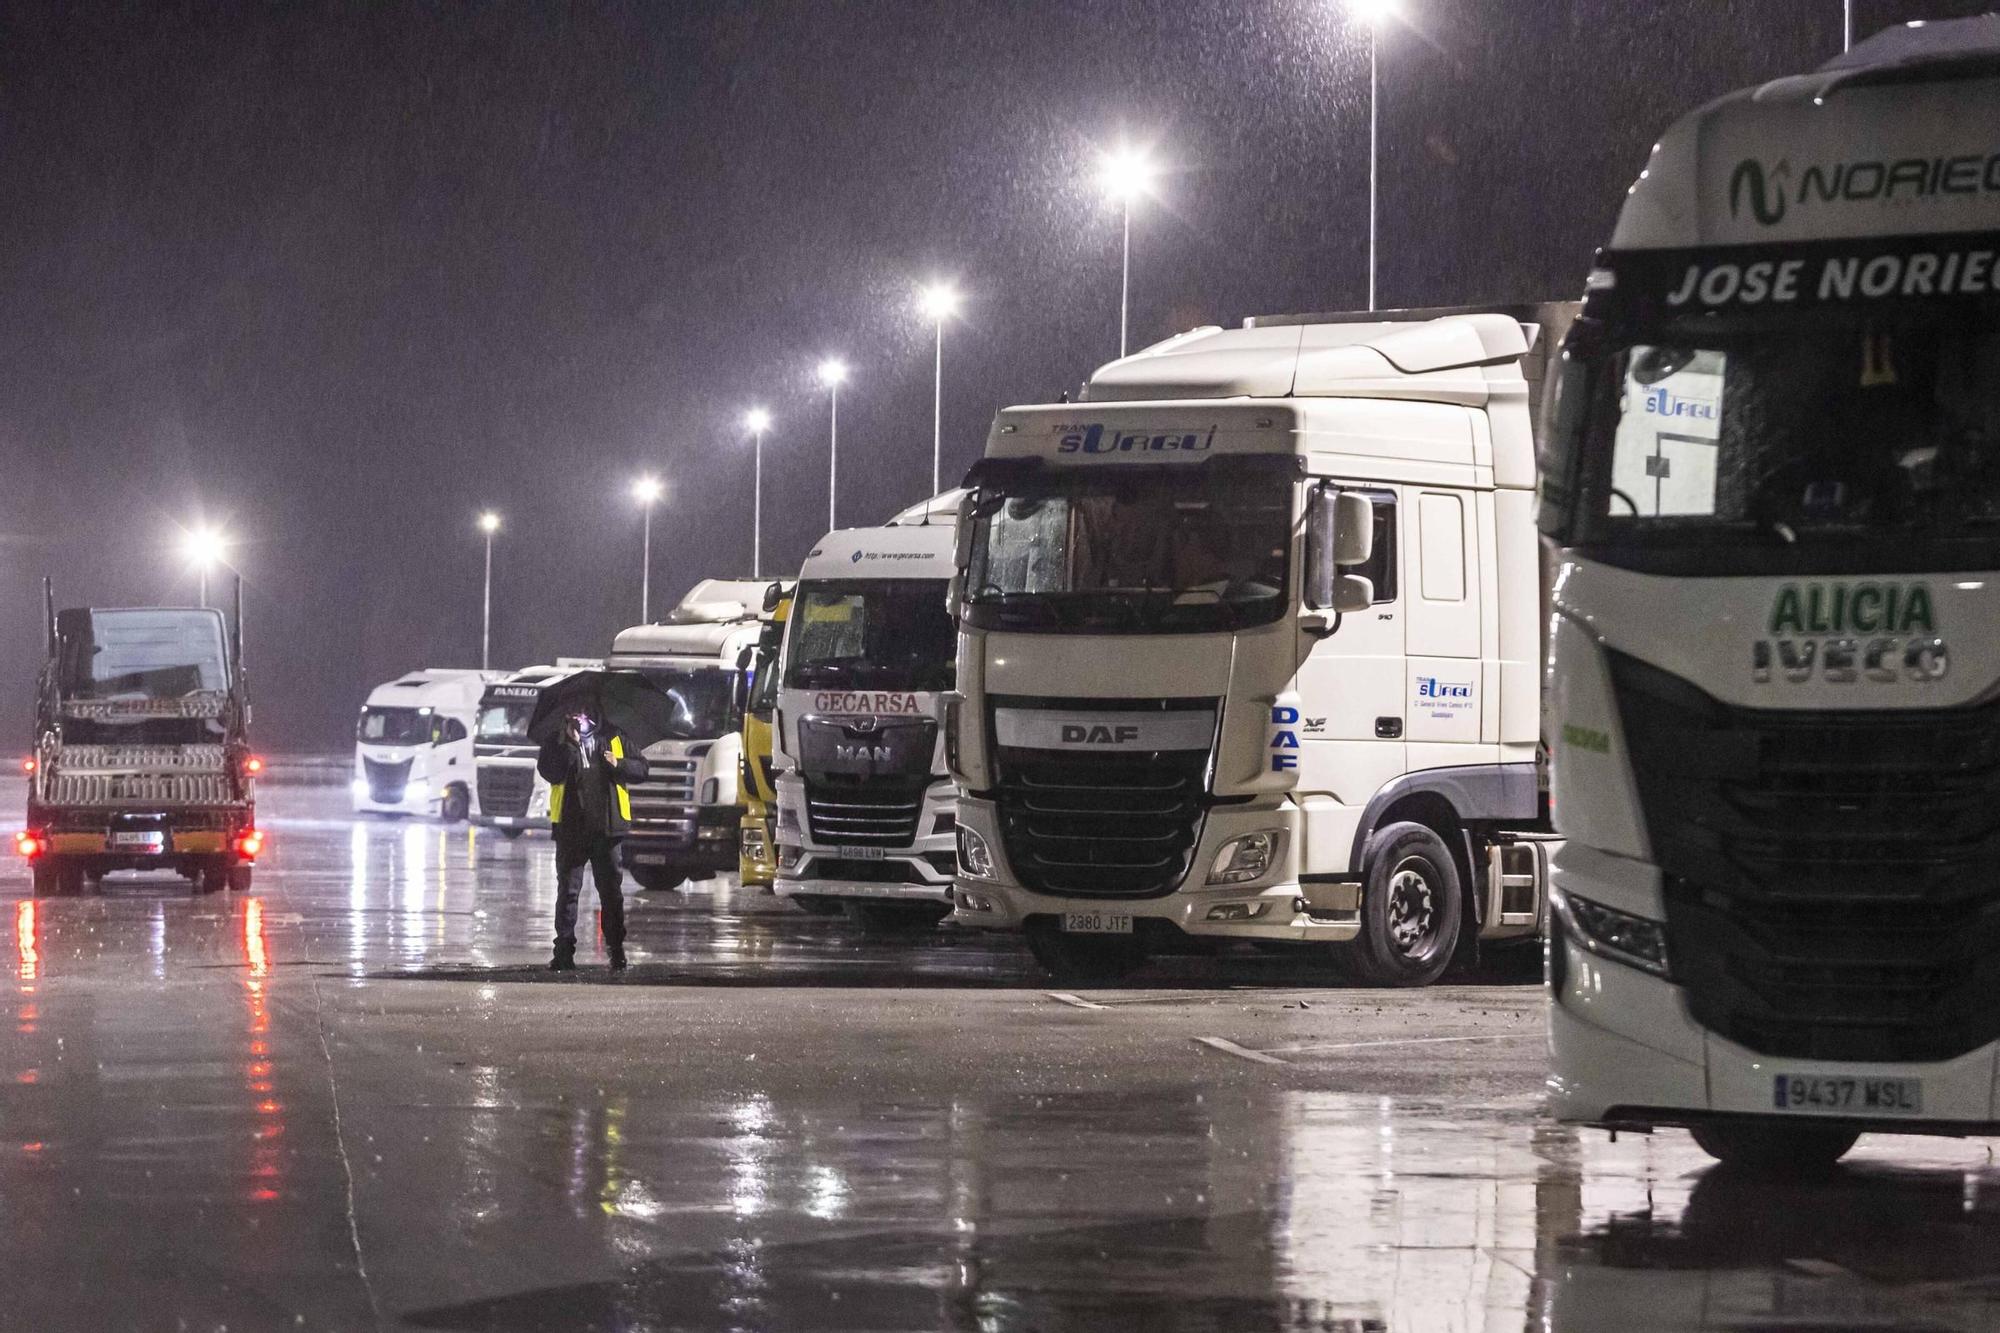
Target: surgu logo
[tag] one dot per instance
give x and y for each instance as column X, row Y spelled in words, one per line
column 1847, row 632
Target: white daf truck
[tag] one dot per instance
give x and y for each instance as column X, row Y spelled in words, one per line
column 1250, row 647
column 687, row 814
column 413, row 745
column 1773, row 472
column 866, row 811
column 513, row 797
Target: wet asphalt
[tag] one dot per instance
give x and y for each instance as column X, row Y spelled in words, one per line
column 352, row 1099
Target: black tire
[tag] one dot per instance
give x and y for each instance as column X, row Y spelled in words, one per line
column 1779, row 1148
column 1412, row 904
column 656, row 879
column 512, row 833
column 1084, row 960
column 48, row 880
column 456, row 807
column 211, row 878
column 240, row 877
column 816, row 904
column 893, row 918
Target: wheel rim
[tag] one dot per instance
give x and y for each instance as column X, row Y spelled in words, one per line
column 1413, row 915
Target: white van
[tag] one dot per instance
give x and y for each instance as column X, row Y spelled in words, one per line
column 687, row 814
column 413, row 745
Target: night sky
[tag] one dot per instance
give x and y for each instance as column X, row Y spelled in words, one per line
column 338, row 276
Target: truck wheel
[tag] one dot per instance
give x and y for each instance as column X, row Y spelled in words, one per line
column 1084, row 960
column 212, row 878
column 239, row 878
column 1411, row 906
column 510, row 834
column 1793, row 1149
column 656, row 879
column 882, row 919
column 456, row 807
column 57, row 881
column 816, row 904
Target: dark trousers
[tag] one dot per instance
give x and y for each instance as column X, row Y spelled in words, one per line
column 601, row 855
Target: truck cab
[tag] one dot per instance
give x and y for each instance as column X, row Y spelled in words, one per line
column 687, row 813
column 757, row 857
column 413, row 749
column 866, row 810
column 1250, row 649
column 513, row 798
column 141, row 755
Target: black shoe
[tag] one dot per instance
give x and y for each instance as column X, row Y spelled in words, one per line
column 564, row 961
column 617, row 958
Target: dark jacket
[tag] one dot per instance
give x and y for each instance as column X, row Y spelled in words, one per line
column 586, row 803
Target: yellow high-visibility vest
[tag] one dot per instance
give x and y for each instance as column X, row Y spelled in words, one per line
column 623, row 796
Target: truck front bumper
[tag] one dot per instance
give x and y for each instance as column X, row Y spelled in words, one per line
column 1276, row 907
column 697, row 838
column 418, row 799
column 921, row 872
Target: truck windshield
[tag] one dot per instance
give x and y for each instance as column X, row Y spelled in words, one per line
column 1842, row 442
column 504, row 721
column 763, row 673
column 142, row 654
column 872, row 634
column 394, row 726
column 704, row 699
column 1133, row 549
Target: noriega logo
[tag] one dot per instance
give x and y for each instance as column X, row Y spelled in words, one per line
column 1842, row 632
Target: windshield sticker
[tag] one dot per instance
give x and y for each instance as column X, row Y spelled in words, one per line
column 1899, row 622
column 1094, row 438
column 1806, row 274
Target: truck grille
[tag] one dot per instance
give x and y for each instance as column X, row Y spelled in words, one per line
column 1111, row 824
column 875, row 814
column 506, row 789
column 1832, row 879
column 663, row 805
column 386, row 779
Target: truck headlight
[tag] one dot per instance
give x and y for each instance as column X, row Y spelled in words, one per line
column 788, row 819
column 360, row 788
column 789, row 855
column 1610, row 933
column 1244, row 859
column 975, row 858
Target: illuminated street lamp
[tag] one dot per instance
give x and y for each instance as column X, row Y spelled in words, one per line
column 203, row 547
column 757, row 421
column 489, row 523
column 832, row 373
column 646, row 490
column 1125, row 174
column 1373, row 14
column 939, row 301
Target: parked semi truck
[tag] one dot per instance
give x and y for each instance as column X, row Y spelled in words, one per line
column 413, row 745
column 757, row 853
column 141, row 757
column 1250, row 649
column 513, row 797
column 1773, row 472
column 686, row 814
column 866, row 811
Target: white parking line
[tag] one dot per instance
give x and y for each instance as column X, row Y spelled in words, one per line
column 1077, row 1000
column 1228, row 1047
column 1393, row 1041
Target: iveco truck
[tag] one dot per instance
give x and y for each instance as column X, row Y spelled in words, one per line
column 141, row 756
column 866, row 811
column 413, row 745
column 1250, row 647
column 687, row 813
column 1773, row 474
column 513, row 797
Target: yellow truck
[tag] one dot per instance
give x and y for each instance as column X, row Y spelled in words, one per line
column 757, row 864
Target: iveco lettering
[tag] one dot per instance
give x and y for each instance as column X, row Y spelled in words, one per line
column 1775, row 623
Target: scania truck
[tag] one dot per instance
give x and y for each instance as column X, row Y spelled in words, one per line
column 413, row 745
column 687, row 813
column 1772, row 471
column 141, row 756
column 513, row 797
column 866, row 812
column 1250, row 641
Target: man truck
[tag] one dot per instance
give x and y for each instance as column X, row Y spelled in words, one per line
column 1250, row 643
column 866, row 811
column 513, row 797
column 141, row 757
column 1772, row 471
column 686, row 814
column 413, row 745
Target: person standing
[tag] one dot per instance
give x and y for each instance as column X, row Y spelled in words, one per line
column 587, row 770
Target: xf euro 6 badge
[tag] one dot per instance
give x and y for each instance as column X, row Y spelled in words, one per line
column 1843, row 633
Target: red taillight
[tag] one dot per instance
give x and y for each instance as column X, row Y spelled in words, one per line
column 253, row 765
column 29, row 846
column 250, row 844
column 28, row 764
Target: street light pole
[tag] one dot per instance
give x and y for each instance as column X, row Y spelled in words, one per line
column 831, row 372
column 1125, row 174
column 1847, row 25
column 489, row 523
column 757, row 420
column 202, row 547
column 939, row 302
column 1374, row 156
column 646, row 490
column 1125, row 280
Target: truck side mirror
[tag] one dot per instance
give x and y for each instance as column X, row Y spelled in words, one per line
column 1352, row 592
column 1340, row 532
column 1353, row 528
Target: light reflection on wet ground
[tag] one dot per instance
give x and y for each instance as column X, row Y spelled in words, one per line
column 353, row 1099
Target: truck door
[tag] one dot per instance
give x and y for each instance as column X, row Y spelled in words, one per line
column 1351, row 700
column 1442, row 627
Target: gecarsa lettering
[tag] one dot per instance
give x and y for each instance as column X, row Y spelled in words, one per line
column 875, row 703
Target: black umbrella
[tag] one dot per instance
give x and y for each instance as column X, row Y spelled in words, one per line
column 625, row 701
